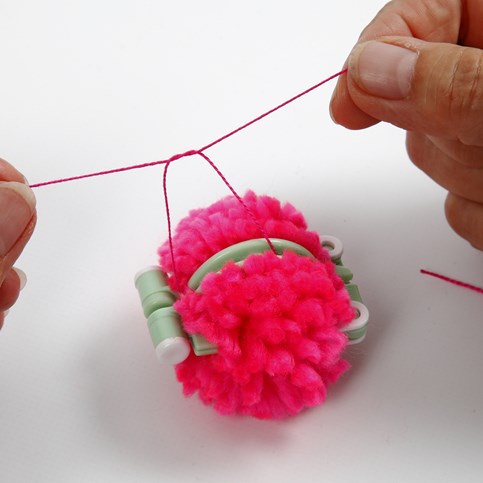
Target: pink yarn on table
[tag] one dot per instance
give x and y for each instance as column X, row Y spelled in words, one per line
column 276, row 320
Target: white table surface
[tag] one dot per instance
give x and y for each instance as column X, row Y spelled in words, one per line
column 93, row 85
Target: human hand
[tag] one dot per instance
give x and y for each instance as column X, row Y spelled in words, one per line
column 17, row 222
column 425, row 75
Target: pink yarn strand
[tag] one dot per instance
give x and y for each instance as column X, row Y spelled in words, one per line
column 459, row 283
column 271, row 111
column 188, row 153
column 99, row 173
column 116, row 170
column 168, row 219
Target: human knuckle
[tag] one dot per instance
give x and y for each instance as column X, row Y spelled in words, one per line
column 466, row 219
column 464, row 94
column 416, row 149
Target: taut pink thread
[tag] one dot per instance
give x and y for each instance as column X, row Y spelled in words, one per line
column 115, row 170
column 271, row 111
column 191, row 152
column 453, row 281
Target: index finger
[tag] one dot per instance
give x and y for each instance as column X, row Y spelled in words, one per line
column 430, row 20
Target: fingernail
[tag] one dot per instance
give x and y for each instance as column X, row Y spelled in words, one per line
column 17, row 205
column 383, row 70
column 22, row 277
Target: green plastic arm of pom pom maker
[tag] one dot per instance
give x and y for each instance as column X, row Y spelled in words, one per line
column 170, row 341
column 239, row 252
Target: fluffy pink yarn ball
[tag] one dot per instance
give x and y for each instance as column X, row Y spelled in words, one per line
column 276, row 320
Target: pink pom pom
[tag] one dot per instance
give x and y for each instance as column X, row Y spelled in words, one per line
column 276, row 320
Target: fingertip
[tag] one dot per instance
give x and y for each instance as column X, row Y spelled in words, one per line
column 345, row 112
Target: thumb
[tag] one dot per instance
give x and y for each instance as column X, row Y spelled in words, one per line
column 432, row 88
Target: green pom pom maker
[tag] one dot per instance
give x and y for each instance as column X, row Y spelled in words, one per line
column 173, row 345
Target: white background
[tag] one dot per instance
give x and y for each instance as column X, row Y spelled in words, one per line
column 93, row 85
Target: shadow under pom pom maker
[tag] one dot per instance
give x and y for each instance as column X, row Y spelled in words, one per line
column 257, row 311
